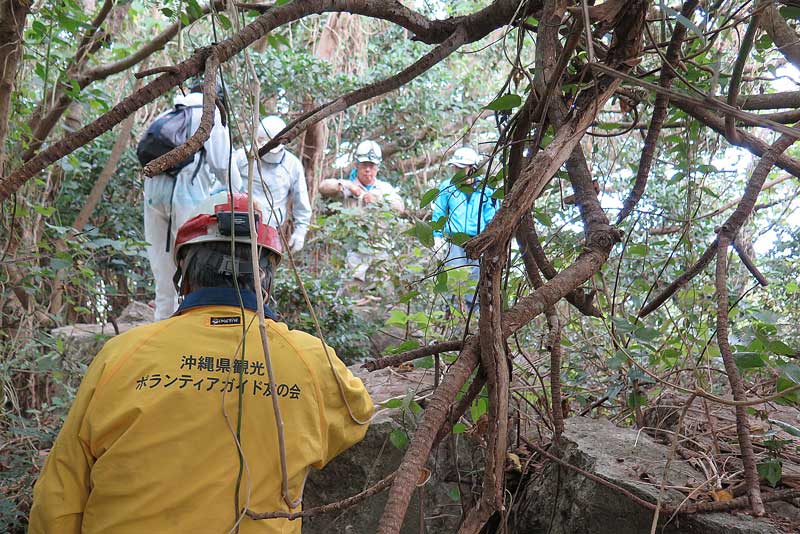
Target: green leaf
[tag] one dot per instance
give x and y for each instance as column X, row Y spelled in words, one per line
column 224, row 21
column 424, row 363
column 791, row 372
column 790, row 12
column 636, row 400
column 58, row 264
column 429, row 197
column 393, row 403
column 410, row 344
column 623, row 325
column 542, row 217
column 459, row 428
column 644, row 333
column 454, row 493
column 770, row 471
column 637, row 250
column 39, row 27
column 45, row 211
column 748, row 360
column 509, row 101
column 478, row 408
column 399, row 438
column 781, row 348
column 459, row 238
column 424, row 232
column 397, row 318
column 763, row 43
column 792, row 288
column 438, row 224
column 281, row 2
column 788, row 399
column 793, row 430
column 617, row 361
column 441, row 283
column 193, row 9
column 408, row 297
column 684, row 21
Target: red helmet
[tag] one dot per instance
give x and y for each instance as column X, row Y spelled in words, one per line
column 220, row 216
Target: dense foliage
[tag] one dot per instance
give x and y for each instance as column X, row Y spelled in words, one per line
column 623, row 361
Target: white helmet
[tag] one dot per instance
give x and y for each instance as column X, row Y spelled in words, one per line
column 369, row 151
column 270, row 127
column 465, row 157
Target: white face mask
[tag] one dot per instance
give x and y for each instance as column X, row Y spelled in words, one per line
column 274, row 156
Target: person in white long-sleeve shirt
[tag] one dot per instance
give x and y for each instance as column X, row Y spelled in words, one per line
column 169, row 200
column 277, row 176
column 363, row 187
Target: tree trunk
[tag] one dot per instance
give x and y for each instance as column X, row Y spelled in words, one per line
column 121, row 143
column 316, row 137
column 12, row 21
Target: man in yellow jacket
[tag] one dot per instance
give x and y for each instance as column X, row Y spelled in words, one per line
column 150, row 446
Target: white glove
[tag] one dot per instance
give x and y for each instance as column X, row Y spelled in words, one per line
column 297, row 240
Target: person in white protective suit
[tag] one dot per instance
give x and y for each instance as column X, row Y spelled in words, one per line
column 277, row 176
column 169, row 201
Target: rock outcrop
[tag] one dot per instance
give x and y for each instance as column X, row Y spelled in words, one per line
column 561, row 501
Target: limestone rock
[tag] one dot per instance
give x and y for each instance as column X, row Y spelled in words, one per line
column 576, row 505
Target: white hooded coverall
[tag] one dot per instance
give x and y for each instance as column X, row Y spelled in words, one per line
column 160, row 200
column 283, row 175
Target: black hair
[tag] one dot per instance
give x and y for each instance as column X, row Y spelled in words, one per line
column 196, row 86
column 210, row 265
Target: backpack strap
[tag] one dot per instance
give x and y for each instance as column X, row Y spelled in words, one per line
column 169, row 222
column 202, row 150
column 199, row 164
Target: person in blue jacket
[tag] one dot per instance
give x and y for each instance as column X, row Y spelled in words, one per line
column 467, row 206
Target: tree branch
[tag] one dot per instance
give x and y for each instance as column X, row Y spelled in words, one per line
column 737, row 388
column 660, row 110
column 417, row 453
column 349, row 502
column 748, row 262
column 785, row 38
column 750, row 142
column 13, row 14
column 733, row 224
column 428, row 350
column 683, row 99
column 626, row 46
column 733, row 87
column 201, row 135
column 425, row 63
column 494, row 363
column 534, row 257
column 492, row 16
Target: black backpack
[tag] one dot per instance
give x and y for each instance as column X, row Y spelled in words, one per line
column 165, row 133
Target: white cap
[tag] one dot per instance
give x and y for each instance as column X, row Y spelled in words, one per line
column 270, row 126
column 465, row 157
column 369, row 151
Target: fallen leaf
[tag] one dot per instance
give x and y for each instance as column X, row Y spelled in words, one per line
column 513, row 463
column 722, row 495
column 405, row 367
column 424, row 476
